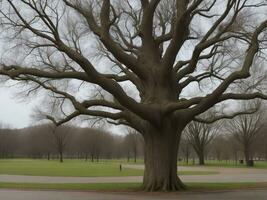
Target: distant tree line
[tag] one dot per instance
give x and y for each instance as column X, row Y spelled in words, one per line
column 50, row 142
column 243, row 139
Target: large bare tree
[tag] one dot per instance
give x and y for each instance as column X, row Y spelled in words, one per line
column 147, row 55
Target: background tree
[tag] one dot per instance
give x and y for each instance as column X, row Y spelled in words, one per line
column 261, row 143
column 150, row 54
column 218, row 150
column 185, row 149
column 39, row 140
column 200, row 136
column 61, row 137
column 245, row 129
column 8, row 142
column 82, row 142
column 132, row 141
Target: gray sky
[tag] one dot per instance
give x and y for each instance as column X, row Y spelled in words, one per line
column 16, row 112
column 13, row 111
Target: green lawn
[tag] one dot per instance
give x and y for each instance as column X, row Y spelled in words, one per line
column 72, row 168
column 232, row 164
column 74, row 186
column 128, row 186
column 77, row 168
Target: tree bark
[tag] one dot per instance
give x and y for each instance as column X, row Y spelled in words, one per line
column 247, row 155
column 187, row 154
column 61, row 157
column 135, row 155
column 201, row 158
column 161, row 149
column 247, row 159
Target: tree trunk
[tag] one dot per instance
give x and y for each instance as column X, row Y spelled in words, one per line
column 135, row 155
column 247, row 155
column 161, row 149
column 236, row 157
column 61, row 157
column 187, row 155
column 201, row 158
column 128, row 156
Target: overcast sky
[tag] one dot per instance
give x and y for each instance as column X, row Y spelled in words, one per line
column 13, row 111
column 16, row 113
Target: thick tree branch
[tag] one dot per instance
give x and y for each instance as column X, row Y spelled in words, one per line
column 234, row 96
column 15, row 71
column 103, row 33
column 226, row 116
column 180, row 32
column 243, row 73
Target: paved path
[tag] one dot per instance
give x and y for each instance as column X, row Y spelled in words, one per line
column 219, row 178
column 221, row 170
column 225, row 175
column 68, row 195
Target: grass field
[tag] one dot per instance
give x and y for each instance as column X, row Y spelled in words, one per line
column 233, row 164
column 128, row 186
column 72, row 168
column 105, row 168
column 68, row 168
